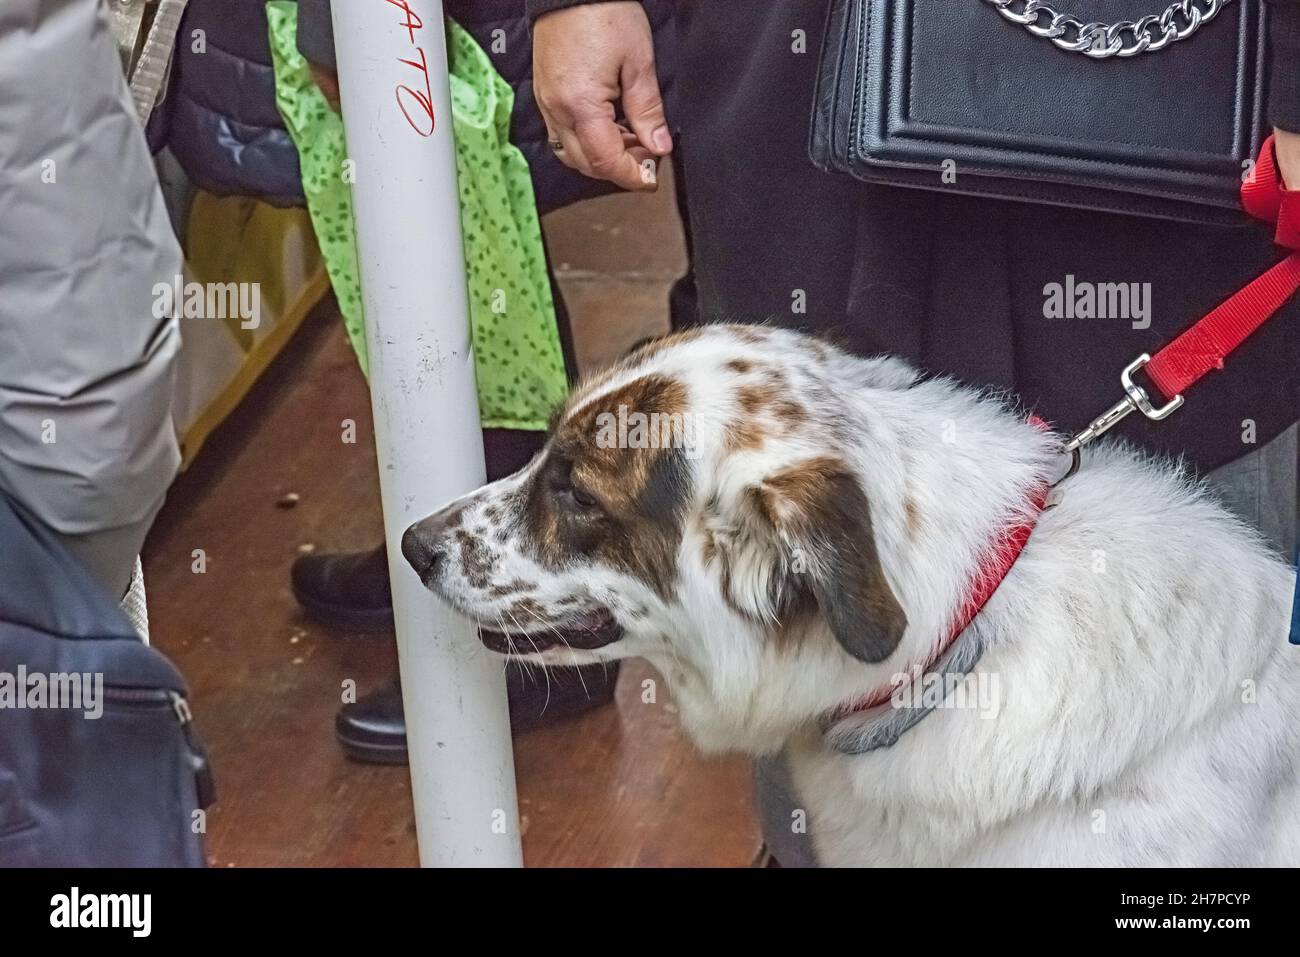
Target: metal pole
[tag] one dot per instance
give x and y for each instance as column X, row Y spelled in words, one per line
column 392, row 63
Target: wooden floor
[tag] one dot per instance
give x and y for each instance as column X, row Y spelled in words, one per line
column 615, row 787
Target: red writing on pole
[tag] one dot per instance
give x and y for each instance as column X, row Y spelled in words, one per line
column 416, row 103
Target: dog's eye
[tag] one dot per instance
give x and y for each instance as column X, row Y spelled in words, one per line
column 582, row 499
column 565, row 489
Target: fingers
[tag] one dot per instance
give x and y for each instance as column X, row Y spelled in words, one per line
column 571, row 155
column 643, row 105
column 614, row 155
column 601, row 149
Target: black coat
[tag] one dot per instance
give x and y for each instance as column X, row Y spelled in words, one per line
column 955, row 284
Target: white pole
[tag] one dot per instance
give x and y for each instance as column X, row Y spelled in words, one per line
column 392, row 64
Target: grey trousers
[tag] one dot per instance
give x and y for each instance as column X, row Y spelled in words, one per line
column 86, row 363
column 1261, row 488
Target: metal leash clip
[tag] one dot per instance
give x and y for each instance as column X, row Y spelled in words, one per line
column 1135, row 399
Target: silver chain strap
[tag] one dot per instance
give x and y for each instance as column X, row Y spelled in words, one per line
column 1122, row 38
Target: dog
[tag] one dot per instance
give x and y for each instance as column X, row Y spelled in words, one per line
column 790, row 534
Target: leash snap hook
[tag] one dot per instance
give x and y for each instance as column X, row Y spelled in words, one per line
column 1135, row 399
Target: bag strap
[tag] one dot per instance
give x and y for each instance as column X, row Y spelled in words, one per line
column 151, row 68
column 1123, row 38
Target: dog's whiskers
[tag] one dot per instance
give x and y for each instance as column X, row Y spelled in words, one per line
column 564, row 641
column 537, row 651
column 514, row 651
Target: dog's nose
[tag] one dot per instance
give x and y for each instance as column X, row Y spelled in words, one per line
column 423, row 549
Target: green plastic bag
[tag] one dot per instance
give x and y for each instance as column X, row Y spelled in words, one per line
column 517, row 358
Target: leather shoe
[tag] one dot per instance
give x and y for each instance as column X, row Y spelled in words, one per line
column 349, row 590
column 373, row 730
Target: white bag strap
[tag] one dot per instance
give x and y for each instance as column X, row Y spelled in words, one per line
column 151, row 69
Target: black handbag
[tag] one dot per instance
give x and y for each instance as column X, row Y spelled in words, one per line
column 1132, row 106
column 99, row 763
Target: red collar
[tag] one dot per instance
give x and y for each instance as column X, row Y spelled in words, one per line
column 993, row 570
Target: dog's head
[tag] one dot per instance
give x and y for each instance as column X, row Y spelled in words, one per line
column 701, row 504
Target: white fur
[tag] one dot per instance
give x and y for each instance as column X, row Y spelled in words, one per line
column 1150, row 703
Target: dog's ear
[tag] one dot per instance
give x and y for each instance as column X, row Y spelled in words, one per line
column 819, row 520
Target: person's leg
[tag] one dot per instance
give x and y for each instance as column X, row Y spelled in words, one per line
column 86, row 363
column 1260, row 489
column 683, row 299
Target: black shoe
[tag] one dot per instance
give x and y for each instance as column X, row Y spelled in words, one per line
column 347, row 590
column 373, row 730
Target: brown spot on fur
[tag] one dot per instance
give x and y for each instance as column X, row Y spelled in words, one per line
column 743, row 436
column 511, row 588
column 476, row 558
column 790, row 413
column 740, row 366
column 531, row 608
column 635, row 525
column 798, row 489
column 754, row 398
column 605, row 470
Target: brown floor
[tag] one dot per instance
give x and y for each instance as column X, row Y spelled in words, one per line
column 615, row 787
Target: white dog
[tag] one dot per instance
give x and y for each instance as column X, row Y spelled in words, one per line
column 786, row 531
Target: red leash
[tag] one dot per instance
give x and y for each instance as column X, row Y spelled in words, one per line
column 1208, row 343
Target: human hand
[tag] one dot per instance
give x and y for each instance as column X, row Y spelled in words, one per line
column 586, row 60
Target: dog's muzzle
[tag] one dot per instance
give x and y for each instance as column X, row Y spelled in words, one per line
column 425, row 548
